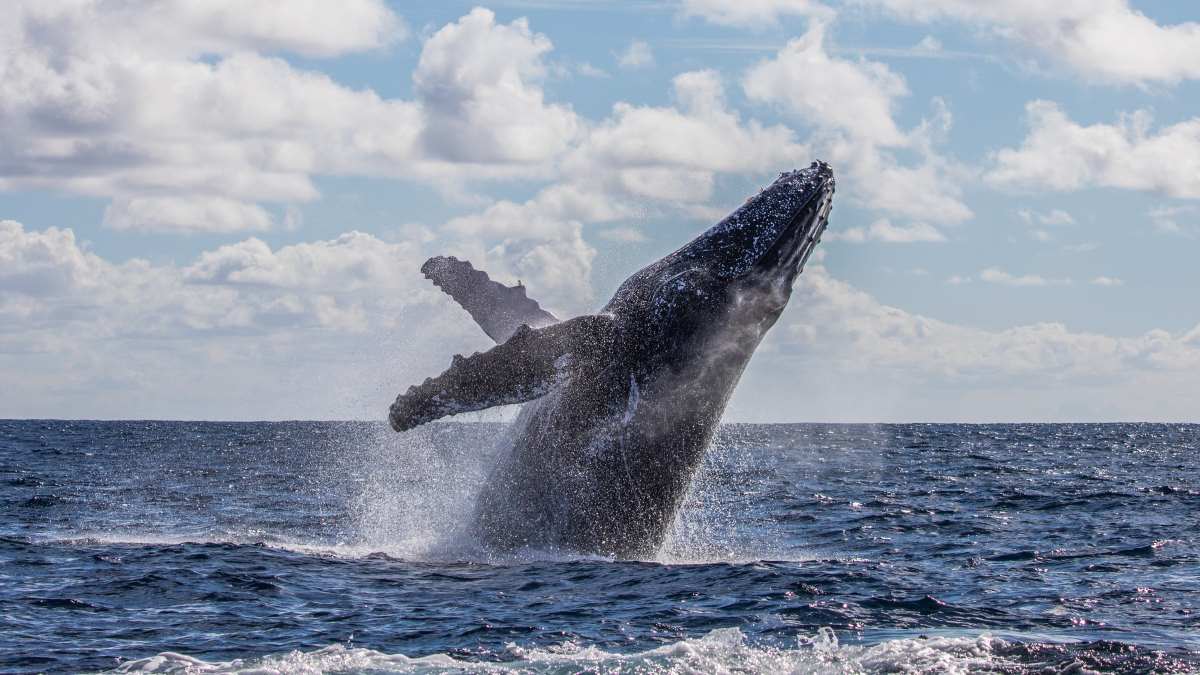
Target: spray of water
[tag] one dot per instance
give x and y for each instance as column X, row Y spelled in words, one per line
column 417, row 494
column 413, row 496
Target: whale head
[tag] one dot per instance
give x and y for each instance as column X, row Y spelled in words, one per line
column 747, row 262
column 696, row 316
column 771, row 234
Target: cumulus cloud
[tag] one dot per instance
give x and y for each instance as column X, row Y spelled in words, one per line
column 861, row 359
column 354, row 261
column 44, row 263
column 672, row 153
column 539, row 242
column 884, row 231
column 850, row 106
column 479, row 82
column 1060, row 154
column 248, row 330
column 173, row 114
column 752, row 13
column 242, row 330
column 183, row 28
column 245, row 285
column 198, row 214
column 840, row 320
column 1077, row 35
column 854, row 97
column 639, row 161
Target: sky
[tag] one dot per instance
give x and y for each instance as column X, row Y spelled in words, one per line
column 212, row 209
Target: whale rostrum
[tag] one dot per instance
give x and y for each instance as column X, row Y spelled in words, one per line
column 621, row 404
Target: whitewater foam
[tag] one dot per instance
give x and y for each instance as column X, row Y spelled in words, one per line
column 724, row 650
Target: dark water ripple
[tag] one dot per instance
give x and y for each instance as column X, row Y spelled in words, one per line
column 1008, row 548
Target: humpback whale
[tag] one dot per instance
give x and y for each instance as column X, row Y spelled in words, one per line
column 622, row 404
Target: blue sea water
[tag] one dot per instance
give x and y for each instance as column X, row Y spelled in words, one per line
column 337, row 547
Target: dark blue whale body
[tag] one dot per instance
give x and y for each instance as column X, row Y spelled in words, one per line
column 622, row 403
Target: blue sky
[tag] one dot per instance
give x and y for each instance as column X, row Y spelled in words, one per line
column 217, row 210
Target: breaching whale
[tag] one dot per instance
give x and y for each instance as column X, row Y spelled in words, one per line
column 622, row 403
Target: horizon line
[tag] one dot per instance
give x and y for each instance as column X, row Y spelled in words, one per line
column 722, row 423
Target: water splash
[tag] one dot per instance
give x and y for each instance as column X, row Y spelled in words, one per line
column 416, row 499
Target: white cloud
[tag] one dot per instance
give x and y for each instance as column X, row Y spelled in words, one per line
column 671, row 154
column 245, row 285
column 636, row 55
column 752, row 13
column 1107, row 281
column 539, row 242
column 884, row 231
column 864, row 334
column 863, row 360
column 996, row 275
column 165, row 214
column 851, row 105
column 244, row 330
column 187, row 28
column 44, row 263
column 854, row 97
column 640, row 160
column 355, row 261
column 172, row 114
column 478, row 81
column 1060, row 154
column 250, row 331
column 1077, row 34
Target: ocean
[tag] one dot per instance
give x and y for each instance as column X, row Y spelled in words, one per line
column 296, row 547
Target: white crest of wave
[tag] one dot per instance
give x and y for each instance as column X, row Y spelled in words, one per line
column 722, row 651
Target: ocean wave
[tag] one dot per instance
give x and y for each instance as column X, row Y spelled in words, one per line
column 721, row 651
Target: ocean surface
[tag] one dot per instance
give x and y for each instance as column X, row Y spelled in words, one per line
column 338, row 547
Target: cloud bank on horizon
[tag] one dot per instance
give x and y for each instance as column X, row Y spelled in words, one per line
column 218, row 209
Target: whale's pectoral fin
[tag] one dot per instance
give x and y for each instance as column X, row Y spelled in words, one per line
column 521, row 369
column 498, row 309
